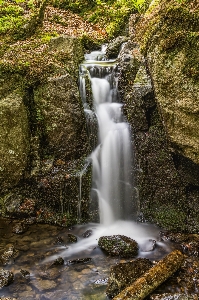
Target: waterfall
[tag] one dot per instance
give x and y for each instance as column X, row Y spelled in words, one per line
column 111, row 158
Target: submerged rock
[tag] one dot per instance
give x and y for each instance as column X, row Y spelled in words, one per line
column 119, row 245
column 7, row 254
column 44, row 285
column 149, row 246
column 19, row 228
column 87, row 233
column 72, row 238
column 123, row 274
column 25, row 274
column 6, row 277
column 79, row 261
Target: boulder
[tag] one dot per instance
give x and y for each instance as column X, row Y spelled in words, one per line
column 119, row 245
column 114, row 46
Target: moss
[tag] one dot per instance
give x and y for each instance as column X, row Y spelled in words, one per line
column 170, row 217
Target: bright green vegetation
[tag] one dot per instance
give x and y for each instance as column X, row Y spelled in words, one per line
column 112, row 15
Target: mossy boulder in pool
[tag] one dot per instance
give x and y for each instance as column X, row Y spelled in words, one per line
column 119, row 245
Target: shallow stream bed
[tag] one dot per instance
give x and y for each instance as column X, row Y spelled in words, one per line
column 83, row 272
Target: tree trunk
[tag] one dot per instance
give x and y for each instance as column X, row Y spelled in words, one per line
column 146, row 284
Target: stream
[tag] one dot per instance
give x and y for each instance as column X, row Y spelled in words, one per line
column 85, row 267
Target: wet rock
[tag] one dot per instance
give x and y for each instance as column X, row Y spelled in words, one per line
column 101, row 281
column 119, row 245
column 19, row 228
column 25, row 274
column 54, row 295
column 149, row 246
column 87, row 233
column 188, row 276
column 51, row 273
column 177, row 296
column 6, row 277
column 30, row 221
column 72, row 238
column 58, row 262
column 44, row 285
column 79, row 261
column 9, row 252
column 114, row 46
column 188, row 243
column 58, row 241
column 123, row 274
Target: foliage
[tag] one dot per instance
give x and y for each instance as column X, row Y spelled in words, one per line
column 11, row 17
column 112, row 15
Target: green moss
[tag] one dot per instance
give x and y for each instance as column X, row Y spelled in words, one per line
column 170, row 217
column 112, row 15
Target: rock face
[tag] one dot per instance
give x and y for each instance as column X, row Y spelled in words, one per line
column 62, row 116
column 14, row 139
column 172, row 55
column 156, row 179
column 43, row 137
column 119, row 245
column 160, row 95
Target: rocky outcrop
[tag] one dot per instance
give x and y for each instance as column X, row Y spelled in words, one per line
column 62, row 117
column 157, row 183
column 160, row 97
column 43, row 137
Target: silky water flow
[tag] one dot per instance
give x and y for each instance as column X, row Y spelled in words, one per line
column 111, row 158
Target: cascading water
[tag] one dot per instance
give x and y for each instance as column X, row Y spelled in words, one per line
column 112, row 157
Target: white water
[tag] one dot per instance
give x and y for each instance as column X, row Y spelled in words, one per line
column 112, row 157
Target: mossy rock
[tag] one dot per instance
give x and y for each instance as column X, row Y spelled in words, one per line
column 14, row 140
column 168, row 35
column 119, row 245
